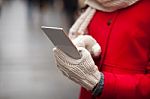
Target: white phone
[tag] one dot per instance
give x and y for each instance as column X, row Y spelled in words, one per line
column 60, row 39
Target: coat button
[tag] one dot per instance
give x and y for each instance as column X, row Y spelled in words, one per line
column 109, row 22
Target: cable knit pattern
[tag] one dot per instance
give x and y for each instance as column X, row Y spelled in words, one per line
column 79, row 28
column 82, row 71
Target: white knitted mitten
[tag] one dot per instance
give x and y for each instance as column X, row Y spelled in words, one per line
column 89, row 43
column 82, row 71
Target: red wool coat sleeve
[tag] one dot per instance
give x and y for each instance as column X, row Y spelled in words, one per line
column 122, row 87
column 124, row 36
column 126, row 86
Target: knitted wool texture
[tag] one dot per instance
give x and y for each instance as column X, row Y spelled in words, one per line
column 82, row 71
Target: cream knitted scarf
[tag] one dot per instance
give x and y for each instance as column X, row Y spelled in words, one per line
column 79, row 27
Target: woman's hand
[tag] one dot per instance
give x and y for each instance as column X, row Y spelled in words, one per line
column 89, row 43
column 82, row 71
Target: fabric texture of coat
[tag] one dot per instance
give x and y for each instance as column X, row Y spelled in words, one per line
column 124, row 36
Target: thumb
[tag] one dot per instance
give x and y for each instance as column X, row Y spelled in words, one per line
column 92, row 46
column 79, row 42
column 89, row 43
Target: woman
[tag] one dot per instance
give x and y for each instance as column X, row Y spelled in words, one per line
column 121, row 28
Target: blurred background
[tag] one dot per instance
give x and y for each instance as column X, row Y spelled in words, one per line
column 27, row 69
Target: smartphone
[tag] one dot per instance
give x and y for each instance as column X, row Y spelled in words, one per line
column 60, row 40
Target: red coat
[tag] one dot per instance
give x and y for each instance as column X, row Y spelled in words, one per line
column 124, row 36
